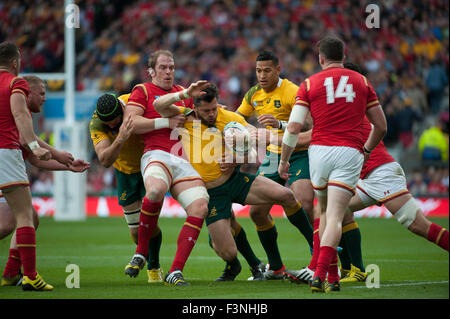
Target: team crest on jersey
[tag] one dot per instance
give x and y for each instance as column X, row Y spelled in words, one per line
column 277, row 103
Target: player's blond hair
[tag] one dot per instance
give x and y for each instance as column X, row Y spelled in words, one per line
column 33, row 80
column 155, row 55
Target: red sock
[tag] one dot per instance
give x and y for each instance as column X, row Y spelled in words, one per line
column 186, row 241
column 26, row 243
column 327, row 254
column 316, row 245
column 148, row 219
column 438, row 235
column 13, row 264
column 333, row 271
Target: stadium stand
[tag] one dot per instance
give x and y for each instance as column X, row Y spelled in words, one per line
column 406, row 60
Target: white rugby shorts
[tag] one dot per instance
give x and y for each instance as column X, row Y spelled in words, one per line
column 12, row 169
column 334, row 166
column 179, row 169
column 384, row 183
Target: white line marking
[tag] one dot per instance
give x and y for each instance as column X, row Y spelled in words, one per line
column 418, row 283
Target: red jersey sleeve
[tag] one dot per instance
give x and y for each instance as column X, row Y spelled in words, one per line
column 302, row 94
column 19, row 85
column 372, row 98
column 139, row 96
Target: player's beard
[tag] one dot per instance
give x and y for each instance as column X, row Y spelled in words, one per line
column 211, row 123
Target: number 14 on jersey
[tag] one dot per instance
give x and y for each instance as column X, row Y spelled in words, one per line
column 343, row 89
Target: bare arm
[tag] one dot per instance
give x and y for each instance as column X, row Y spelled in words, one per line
column 375, row 115
column 77, row 166
column 108, row 152
column 24, row 125
column 142, row 125
column 62, row 157
column 165, row 106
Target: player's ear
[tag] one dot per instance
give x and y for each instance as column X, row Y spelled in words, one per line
column 151, row 72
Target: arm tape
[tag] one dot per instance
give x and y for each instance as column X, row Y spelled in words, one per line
column 298, row 114
column 290, row 139
column 33, row 145
column 161, row 123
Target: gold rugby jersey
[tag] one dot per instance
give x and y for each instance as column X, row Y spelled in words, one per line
column 204, row 145
column 278, row 102
column 129, row 160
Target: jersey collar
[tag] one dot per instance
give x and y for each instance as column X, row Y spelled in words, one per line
column 279, row 82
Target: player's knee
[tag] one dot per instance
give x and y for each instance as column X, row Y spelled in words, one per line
column 155, row 194
column 348, row 218
column 257, row 213
column 287, row 197
column 198, row 208
column 194, row 199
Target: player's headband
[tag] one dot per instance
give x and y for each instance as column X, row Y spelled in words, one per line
column 108, row 107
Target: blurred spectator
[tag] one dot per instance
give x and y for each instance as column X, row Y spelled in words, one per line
column 433, row 145
column 408, row 116
column 436, row 82
column 436, row 187
column 392, row 119
column 417, row 185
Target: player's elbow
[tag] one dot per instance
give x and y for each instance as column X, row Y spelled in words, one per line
column 294, row 128
column 381, row 129
column 159, row 107
column 105, row 161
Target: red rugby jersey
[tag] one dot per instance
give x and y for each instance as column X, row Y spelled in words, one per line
column 143, row 95
column 10, row 84
column 379, row 154
column 338, row 99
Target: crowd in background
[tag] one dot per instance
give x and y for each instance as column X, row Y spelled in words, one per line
column 406, row 58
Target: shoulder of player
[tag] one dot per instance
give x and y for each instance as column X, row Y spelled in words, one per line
column 228, row 116
column 250, row 93
column 289, row 84
column 124, row 98
column 96, row 125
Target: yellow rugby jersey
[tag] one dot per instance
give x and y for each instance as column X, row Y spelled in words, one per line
column 278, row 102
column 129, row 160
column 204, row 145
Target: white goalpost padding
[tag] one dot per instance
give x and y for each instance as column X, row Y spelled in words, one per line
column 69, row 135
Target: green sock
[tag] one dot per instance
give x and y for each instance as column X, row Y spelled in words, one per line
column 268, row 238
column 153, row 251
column 300, row 220
column 352, row 237
column 244, row 248
column 344, row 255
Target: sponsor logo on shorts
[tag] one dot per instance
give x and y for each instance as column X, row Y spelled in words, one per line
column 213, row 212
column 298, row 173
column 246, row 179
column 123, row 196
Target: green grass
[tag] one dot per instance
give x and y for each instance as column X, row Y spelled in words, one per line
column 410, row 267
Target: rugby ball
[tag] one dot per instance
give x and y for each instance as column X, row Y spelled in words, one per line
column 236, row 137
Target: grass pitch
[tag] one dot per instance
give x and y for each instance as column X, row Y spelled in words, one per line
column 410, row 267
